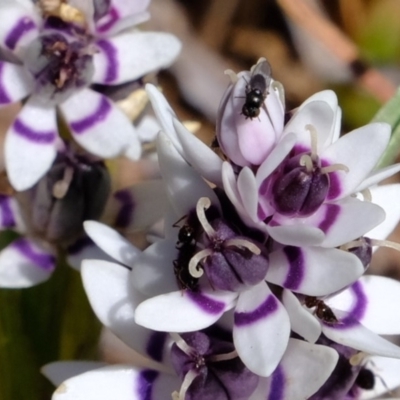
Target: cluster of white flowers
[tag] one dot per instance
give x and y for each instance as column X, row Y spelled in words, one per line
column 257, row 289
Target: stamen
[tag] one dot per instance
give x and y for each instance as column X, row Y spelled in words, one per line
column 194, row 268
column 181, row 343
column 351, row 245
column 232, row 75
column 385, row 243
column 333, row 168
column 223, row 357
column 275, row 85
column 243, row 243
column 366, row 193
column 203, row 204
column 314, row 141
column 189, row 378
column 306, row 161
column 61, row 187
column 358, row 358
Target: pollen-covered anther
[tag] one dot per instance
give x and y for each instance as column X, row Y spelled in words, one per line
column 243, row 243
column 232, row 75
column 358, row 358
column 307, row 162
column 60, row 188
column 194, row 269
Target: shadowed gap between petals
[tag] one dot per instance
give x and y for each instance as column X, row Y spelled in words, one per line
column 79, row 245
column 208, row 305
column 295, row 274
column 42, row 260
column 145, row 385
column 155, row 345
column 112, row 60
column 32, row 135
column 98, row 115
column 23, row 26
column 7, row 215
column 277, row 385
column 125, row 213
column 108, row 21
column 269, row 306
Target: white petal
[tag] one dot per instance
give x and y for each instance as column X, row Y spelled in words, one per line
column 296, row 235
column 30, row 151
column 19, row 26
column 259, row 315
column 113, row 299
column 371, row 300
column 370, row 142
column 130, row 56
column 139, row 206
column 386, row 197
column 59, row 371
column 98, row 125
column 153, row 273
column 15, row 84
column 247, row 187
column 352, row 334
column 377, row 176
column 111, row 242
column 184, row 311
column 25, row 263
column 301, row 321
column 118, row 382
column 199, row 155
column 306, row 269
column 184, row 186
column 303, row 370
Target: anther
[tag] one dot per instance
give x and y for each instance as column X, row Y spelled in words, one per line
column 194, row 268
column 61, row 187
column 314, row 141
column 223, row 357
column 306, row 161
column 333, row 168
column 203, row 204
column 232, row 75
column 243, row 243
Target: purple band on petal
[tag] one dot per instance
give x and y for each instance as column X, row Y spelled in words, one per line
column 295, row 274
column 334, row 183
column 112, row 60
column 125, row 214
column 155, row 345
column 108, row 21
column 79, row 245
column 4, row 98
column 99, row 115
column 331, row 214
column 38, row 137
column 145, row 384
column 7, row 215
column 277, row 387
column 208, row 305
column 269, row 306
column 42, row 260
column 22, row 26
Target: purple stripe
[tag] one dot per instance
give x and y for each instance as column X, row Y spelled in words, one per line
column 155, row 345
column 42, row 260
column 4, row 98
column 331, row 214
column 33, row 135
column 295, row 274
column 269, row 306
column 7, row 215
column 125, row 214
column 110, row 19
column 23, row 25
column 112, row 60
column 99, row 115
column 334, row 182
column 145, row 384
column 205, row 303
column 277, row 387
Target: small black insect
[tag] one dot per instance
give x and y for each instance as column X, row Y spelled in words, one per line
column 186, row 233
column 181, row 268
column 257, row 89
column 365, row 379
column 322, row 311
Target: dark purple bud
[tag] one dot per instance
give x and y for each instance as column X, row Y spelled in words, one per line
column 73, row 191
column 58, row 66
column 363, row 251
column 299, row 190
column 216, row 378
column 236, row 262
